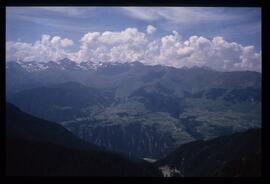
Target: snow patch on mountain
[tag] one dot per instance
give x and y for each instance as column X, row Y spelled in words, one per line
column 33, row 66
column 64, row 64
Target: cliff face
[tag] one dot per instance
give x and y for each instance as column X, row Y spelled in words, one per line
column 132, row 139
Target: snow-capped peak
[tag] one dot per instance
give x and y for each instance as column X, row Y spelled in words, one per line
column 65, row 64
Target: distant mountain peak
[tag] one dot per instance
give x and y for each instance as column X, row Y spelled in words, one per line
column 136, row 63
column 200, row 68
column 65, row 60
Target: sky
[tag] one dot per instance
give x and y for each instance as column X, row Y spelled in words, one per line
column 221, row 38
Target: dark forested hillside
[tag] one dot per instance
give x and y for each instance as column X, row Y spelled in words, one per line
column 35, row 147
column 28, row 127
column 236, row 155
column 31, row 158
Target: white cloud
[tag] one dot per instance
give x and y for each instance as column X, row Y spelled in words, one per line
column 60, row 10
column 216, row 53
column 132, row 45
column 58, row 42
column 44, row 50
column 151, row 29
column 69, row 11
column 123, row 46
column 179, row 15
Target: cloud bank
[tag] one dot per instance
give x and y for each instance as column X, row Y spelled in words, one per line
column 46, row 49
column 131, row 45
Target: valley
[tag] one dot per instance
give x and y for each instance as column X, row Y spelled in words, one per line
column 136, row 109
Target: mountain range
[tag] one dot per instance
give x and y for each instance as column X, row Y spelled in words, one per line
column 138, row 110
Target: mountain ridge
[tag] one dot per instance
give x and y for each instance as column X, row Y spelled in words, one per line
column 32, row 66
column 164, row 105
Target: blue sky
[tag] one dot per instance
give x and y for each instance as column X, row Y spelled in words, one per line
column 240, row 25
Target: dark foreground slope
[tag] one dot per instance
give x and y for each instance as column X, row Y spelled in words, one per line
column 237, row 155
column 35, row 147
column 30, row 158
column 28, row 127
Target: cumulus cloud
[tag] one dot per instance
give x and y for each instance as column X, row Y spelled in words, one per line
column 123, row 46
column 151, row 29
column 131, row 45
column 46, row 49
column 199, row 51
